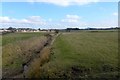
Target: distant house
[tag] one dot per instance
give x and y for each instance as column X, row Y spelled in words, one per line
column 10, row 29
column 4, row 31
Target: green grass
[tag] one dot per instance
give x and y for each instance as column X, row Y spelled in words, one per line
column 95, row 52
column 74, row 54
column 13, row 37
column 0, row 40
column 0, row 51
column 18, row 48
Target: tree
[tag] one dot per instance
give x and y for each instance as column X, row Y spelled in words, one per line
column 11, row 29
column 56, row 31
column 39, row 29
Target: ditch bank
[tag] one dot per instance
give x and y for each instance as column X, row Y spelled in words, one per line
column 32, row 66
column 35, row 68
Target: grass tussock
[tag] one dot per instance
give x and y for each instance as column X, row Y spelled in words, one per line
column 15, row 54
column 35, row 68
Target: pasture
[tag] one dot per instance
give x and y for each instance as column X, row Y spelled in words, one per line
column 0, row 40
column 0, row 56
column 19, row 49
column 82, row 54
column 13, row 37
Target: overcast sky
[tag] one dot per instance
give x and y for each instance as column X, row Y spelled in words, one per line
column 59, row 13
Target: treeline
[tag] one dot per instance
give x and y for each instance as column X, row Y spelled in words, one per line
column 11, row 29
column 92, row 28
column 73, row 29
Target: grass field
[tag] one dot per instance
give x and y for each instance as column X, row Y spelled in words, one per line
column 13, row 37
column 0, row 56
column 73, row 55
column 0, row 40
column 83, row 54
column 19, row 48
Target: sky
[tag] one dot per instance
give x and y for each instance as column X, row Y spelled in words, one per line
column 59, row 14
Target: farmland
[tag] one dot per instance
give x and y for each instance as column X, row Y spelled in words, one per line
column 81, row 54
column 0, row 56
column 84, row 55
column 0, row 40
column 13, row 37
column 19, row 49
